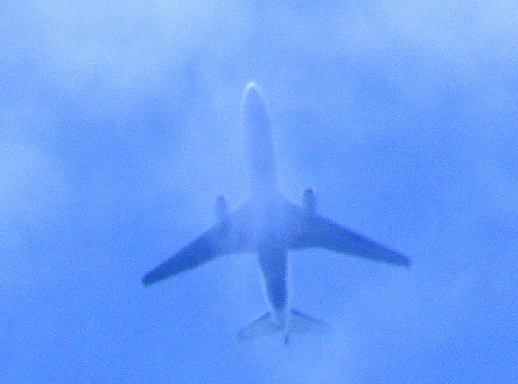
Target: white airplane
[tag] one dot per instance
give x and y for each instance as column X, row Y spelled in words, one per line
column 270, row 225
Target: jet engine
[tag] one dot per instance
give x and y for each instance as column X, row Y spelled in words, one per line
column 221, row 208
column 309, row 202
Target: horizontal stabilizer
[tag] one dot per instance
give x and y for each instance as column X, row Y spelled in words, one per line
column 302, row 323
column 299, row 323
column 261, row 327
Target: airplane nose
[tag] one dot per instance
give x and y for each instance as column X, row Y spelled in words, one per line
column 252, row 85
column 252, row 98
column 254, row 110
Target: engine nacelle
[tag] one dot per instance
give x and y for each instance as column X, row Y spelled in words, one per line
column 309, row 202
column 221, row 208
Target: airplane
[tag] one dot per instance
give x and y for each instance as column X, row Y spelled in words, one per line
column 269, row 225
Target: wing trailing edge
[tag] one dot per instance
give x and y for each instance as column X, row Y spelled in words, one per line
column 232, row 235
column 315, row 231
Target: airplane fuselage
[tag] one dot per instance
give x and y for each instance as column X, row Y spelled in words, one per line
column 267, row 224
column 261, row 165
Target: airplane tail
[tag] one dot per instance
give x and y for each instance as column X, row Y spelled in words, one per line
column 299, row 323
column 302, row 323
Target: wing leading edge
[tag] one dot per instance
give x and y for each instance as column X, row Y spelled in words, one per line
column 229, row 236
column 304, row 231
column 315, row 231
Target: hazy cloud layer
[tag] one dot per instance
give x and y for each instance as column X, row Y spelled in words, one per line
column 120, row 125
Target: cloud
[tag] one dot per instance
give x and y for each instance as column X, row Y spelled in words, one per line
column 120, row 124
column 33, row 197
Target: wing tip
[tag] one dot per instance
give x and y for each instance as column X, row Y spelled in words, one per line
column 147, row 280
column 406, row 262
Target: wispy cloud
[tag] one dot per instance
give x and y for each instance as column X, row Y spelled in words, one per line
column 120, row 124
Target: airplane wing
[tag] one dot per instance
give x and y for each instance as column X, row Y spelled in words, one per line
column 232, row 235
column 315, row 231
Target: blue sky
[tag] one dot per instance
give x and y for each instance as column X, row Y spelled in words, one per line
column 119, row 126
